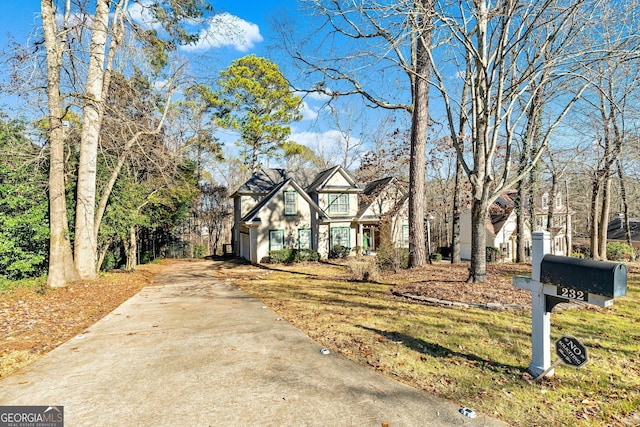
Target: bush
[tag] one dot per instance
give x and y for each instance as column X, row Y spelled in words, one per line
column 302, row 255
column 289, row 256
column 109, row 262
column 199, row 251
column 493, row 254
column 581, row 251
column 281, row 256
column 363, row 270
column 339, row 251
column 436, row 257
column 618, row 251
column 390, row 258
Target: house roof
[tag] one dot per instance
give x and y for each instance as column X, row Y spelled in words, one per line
column 253, row 213
column 262, row 182
column 500, row 210
column 371, row 192
column 323, row 177
column 616, row 231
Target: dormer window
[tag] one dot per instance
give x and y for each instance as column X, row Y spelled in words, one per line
column 559, row 201
column 545, row 201
column 339, row 204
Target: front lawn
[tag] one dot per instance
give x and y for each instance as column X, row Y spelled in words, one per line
column 476, row 357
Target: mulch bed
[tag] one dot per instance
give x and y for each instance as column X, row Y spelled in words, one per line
column 444, row 281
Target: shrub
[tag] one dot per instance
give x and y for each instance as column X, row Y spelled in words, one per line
column 618, row 251
column 281, row 256
column 339, row 251
column 493, row 254
column 583, row 250
column 109, row 262
column 390, row 258
column 289, row 256
column 302, row 255
column 436, row 257
column 363, row 270
column 199, row 251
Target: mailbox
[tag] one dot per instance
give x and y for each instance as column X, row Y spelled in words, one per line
column 577, row 278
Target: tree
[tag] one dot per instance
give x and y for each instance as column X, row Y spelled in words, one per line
column 24, row 232
column 261, row 105
column 512, row 51
column 610, row 108
column 107, row 33
column 396, row 37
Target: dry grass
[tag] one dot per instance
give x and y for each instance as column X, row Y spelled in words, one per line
column 475, row 357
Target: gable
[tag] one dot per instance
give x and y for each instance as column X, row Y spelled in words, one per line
column 273, row 202
column 334, row 179
column 337, row 180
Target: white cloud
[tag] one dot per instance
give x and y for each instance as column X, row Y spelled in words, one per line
column 308, row 112
column 226, row 30
column 140, row 15
column 321, row 140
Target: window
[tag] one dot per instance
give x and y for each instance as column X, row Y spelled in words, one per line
column 339, row 204
column 290, row 199
column 558, row 201
column 405, row 236
column 545, row 201
column 276, row 240
column 304, row 238
column 340, row 236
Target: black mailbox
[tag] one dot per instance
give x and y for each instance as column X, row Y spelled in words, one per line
column 595, row 277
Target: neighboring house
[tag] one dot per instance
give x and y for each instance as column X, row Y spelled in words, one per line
column 617, row 233
column 275, row 210
column 561, row 234
column 501, row 228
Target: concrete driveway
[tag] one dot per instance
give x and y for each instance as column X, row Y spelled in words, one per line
column 195, row 351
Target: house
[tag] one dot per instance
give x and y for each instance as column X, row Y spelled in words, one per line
column 275, row 210
column 560, row 229
column 616, row 230
column 501, row 228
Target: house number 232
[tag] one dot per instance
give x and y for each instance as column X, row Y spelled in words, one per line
column 572, row 293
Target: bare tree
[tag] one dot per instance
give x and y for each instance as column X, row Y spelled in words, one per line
column 395, row 36
column 514, row 49
column 609, row 108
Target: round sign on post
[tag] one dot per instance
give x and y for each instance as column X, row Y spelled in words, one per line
column 571, row 351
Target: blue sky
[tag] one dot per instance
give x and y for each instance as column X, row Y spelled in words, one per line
column 20, row 18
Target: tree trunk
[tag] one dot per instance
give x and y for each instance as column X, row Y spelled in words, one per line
column 480, row 180
column 567, row 220
column 85, row 244
column 550, row 209
column 594, row 218
column 604, row 216
column 455, row 218
column 521, row 255
column 625, row 205
column 419, row 126
column 479, row 212
column 131, row 248
column 61, row 267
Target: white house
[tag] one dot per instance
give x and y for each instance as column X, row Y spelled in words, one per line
column 501, row 228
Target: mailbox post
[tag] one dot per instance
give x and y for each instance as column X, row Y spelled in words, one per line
column 556, row 279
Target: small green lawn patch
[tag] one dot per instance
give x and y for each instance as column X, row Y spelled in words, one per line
column 475, row 357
